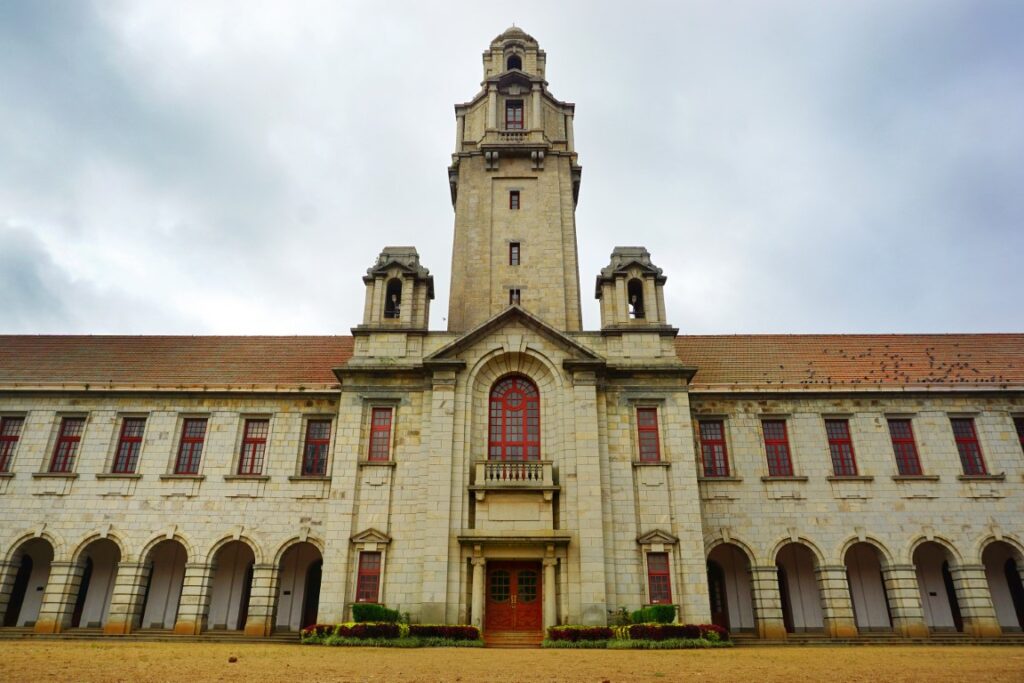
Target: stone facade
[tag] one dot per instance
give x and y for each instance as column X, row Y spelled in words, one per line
column 387, row 470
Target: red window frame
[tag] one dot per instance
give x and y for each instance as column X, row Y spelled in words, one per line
column 513, row 200
column 190, row 450
column 10, row 433
column 968, row 446
column 129, row 443
column 648, row 442
column 514, row 420
column 776, row 446
column 714, row 452
column 1018, row 422
column 314, row 452
column 840, row 446
column 380, row 434
column 368, row 581
column 908, row 463
column 68, row 440
column 659, row 580
column 513, row 114
column 254, row 447
column 513, row 253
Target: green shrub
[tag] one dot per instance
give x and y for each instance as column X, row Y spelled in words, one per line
column 654, row 614
column 579, row 633
column 668, row 644
column 575, row 644
column 366, row 611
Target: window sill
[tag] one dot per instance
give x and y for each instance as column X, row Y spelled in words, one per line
column 185, row 477
column 783, row 478
column 377, row 463
column 850, row 477
column 714, row 479
column 915, row 477
column 55, row 475
column 246, row 477
column 310, row 477
column 6, row 475
column 651, row 463
column 118, row 475
column 982, row 477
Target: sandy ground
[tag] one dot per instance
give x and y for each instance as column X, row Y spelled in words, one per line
column 106, row 661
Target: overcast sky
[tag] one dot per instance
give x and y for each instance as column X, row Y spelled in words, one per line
column 234, row 167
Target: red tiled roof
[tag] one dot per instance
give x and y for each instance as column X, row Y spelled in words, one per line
column 814, row 360
column 172, row 361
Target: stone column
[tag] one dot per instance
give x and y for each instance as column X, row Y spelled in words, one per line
column 836, row 602
column 260, row 620
column 492, row 107
column 976, row 608
column 550, row 609
column 538, row 118
column 568, row 132
column 460, row 131
column 59, row 597
column 904, row 600
column 126, row 602
column 621, row 301
column 479, row 581
column 764, row 581
column 8, row 573
column 593, row 601
column 194, row 605
column 435, row 536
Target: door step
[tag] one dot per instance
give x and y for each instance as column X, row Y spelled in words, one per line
column 513, row 639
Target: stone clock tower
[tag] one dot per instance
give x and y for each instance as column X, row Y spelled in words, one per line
column 514, row 182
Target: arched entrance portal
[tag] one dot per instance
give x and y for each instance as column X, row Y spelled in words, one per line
column 1003, row 565
column 231, row 586
column 867, row 588
column 27, row 578
column 298, row 593
column 98, row 564
column 166, row 562
column 798, row 586
column 935, row 582
column 729, row 587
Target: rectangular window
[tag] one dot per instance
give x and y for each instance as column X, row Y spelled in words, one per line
column 513, row 114
column 776, row 446
column 513, row 253
column 647, row 434
column 712, row 448
column 254, row 447
column 193, row 433
column 128, row 445
column 1018, row 422
column 314, row 455
column 902, row 434
column 513, row 297
column 10, row 432
column 513, row 200
column 658, row 580
column 968, row 446
column 841, row 446
column 66, row 449
column 380, row 434
column 368, row 584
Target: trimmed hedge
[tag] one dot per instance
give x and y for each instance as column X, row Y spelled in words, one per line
column 638, row 636
column 444, row 631
column 575, row 634
column 663, row 631
column 368, row 611
column 668, row 644
column 387, row 634
column 654, row 614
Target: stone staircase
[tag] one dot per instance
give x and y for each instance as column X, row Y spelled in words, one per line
column 513, row 639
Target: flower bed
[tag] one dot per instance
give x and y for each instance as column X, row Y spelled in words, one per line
column 638, row 636
column 387, row 634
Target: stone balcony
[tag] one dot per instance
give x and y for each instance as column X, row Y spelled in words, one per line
column 513, row 475
column 533, row 139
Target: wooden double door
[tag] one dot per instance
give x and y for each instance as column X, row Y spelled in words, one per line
column 514, row 596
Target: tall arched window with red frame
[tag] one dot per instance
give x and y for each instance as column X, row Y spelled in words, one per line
column 514, row 420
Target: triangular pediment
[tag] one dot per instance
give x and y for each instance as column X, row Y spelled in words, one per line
column 657, row 536
column 515, row 315
column 371, row 535
column 514, row 76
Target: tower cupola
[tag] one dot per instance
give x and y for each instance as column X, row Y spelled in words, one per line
column 398, row 291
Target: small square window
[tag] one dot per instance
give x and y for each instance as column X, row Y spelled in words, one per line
column 513, row 200
column 840, row 445
column 66, row 448
column 380, row 435
column 514, row 298
column 776, row 446
column 318, row 442
column 713, row 450
column 190, row 451
column 10, row 432
column 967, row 445
column 513, row 253
column 129, row 443
column 254, row 447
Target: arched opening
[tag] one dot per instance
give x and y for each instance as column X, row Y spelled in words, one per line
column 231, row 586
column 635, row 294
column 935, row 582
column 867, row 588
column 798, row 587
column 298, row 593
column 98, row 564
column 27, row 578
column 1002, row 569
column 166, row 562
column 515, row 62
column 393, row 299
column 729, row 587
column 514, row 425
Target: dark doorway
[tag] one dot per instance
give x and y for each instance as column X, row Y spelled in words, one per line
column 1016, row 588
column 83, row 590
column 717, row 595
column 954, row 605
column 311, row 596
column 21, row 587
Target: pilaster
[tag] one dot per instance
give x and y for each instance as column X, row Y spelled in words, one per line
column 260, row 619
column 59, row 597
column 8, row 574
column 550, row 608
column 126, row 601
column 194, row 606
column 593, row 601
column 479, row 580
column 836, row 601
column 972, row 592
column 435, row 522
column 767, row 602
column 904, row 600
